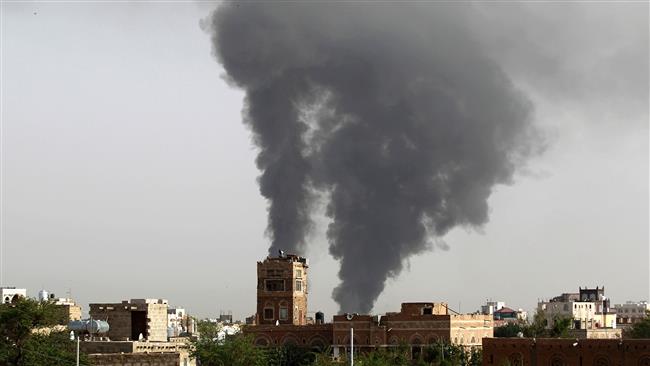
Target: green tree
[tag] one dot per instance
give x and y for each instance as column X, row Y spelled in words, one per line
column 207, row 329
column 509, row 330
column 561, row 326
column 290, row 355
column 234, row 350
column 538, row 327
column 640, row 329
column 20, row 342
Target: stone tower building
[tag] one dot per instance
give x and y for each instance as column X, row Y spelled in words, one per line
column 282, row 290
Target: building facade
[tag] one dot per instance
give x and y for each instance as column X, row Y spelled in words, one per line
column 587, row 309
column 417, row 324
column 138, row 353
column 134, row 319
column 631, row 312
column 565, row 352
column 282, row 290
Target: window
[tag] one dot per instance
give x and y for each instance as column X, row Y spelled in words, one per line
column 299, row 273
column 274, row 285
column 268, row 313
column 427, row 311
column 298, row 285
column 284, row 311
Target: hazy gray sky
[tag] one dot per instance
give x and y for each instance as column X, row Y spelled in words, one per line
column 127, row 171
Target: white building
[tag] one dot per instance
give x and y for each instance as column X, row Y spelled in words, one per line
column 491, row 306
column 588, row 309
column 179, row 322
column 10, row 294
column 631, row 312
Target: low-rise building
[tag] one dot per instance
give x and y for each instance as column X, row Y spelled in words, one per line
column 107, row 353
column 137, row 319
column 631, row 312
column 11, row 294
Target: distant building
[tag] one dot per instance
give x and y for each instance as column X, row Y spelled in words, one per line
column 502, row 314
column 11, row 294
column 588, row 309
column 71, row 311
column 178, row 322
column 225, row 317
column 631, row 312
column 491, row 306
column 134, row 319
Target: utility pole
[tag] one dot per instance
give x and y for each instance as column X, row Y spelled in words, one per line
column 72, row 339
column 351, row 347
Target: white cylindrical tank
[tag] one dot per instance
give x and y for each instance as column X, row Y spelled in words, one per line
column 42, row 295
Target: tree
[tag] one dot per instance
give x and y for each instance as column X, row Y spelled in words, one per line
column 234, row 350
column 22, row 345
column 208, row 329
column 290, row 355
column 640, row 329
column 561, row 326
column 509, row 330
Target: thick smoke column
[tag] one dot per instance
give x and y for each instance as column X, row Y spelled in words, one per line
column 391, row 109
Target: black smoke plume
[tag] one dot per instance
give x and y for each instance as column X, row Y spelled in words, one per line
column 391, row 109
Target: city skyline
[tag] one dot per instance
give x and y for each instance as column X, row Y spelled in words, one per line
column 127, row 173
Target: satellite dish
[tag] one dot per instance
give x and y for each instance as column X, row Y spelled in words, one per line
column 349, row 316
column 140, row 337
column 277, row 322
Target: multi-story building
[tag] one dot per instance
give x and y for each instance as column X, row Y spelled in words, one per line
column 282, row 290
column 282, row 285
column 631, row 312
column 588, row 309
column 137, row 319
column 11, row 294
column 177, row 322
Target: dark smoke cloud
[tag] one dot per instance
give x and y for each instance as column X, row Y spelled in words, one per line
column 392, row 110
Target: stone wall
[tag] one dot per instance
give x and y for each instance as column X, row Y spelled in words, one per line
column 157, row 322
column 135, row 359
column 599, row 352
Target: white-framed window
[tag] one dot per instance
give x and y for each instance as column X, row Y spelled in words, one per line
column 298, row 285
column 299, row 273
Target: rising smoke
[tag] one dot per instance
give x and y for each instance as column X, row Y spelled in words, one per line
column 392, row 110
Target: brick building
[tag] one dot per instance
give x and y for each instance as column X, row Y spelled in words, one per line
column 129, row 319
column 282, row 290
column 282, row 305
column 565, row 352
